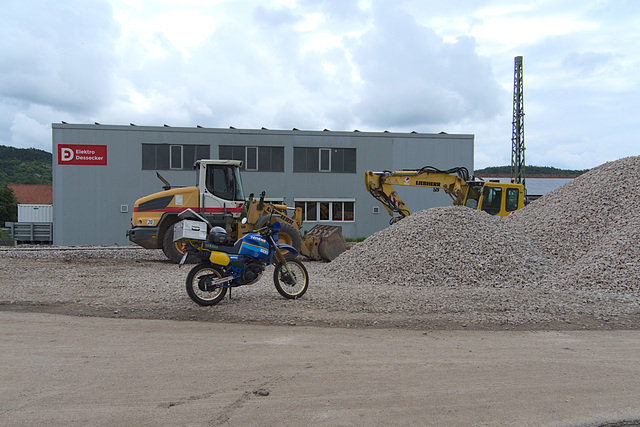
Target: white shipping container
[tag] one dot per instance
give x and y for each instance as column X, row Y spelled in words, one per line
column 35, row 213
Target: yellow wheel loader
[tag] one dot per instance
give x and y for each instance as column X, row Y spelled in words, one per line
column 492, row 197
column 219, row 199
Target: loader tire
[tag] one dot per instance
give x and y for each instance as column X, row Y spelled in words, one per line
column 290, row 235
column 172, row 250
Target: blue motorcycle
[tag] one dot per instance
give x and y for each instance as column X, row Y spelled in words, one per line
column 223, row 267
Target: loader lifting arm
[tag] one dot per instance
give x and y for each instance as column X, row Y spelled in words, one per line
column 380, row 186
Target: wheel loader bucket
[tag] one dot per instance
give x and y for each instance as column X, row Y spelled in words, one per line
column 323, row 243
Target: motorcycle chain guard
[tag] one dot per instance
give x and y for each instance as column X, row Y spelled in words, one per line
column 207, row 284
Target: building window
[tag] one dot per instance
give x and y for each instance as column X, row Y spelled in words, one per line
column 261, row 159
column 172, row 156
column 313, row 159
column 251, row 163
column 325, row 160
column 176, row 157
column 327, row 210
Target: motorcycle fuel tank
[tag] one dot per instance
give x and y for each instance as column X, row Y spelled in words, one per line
column 254, row 246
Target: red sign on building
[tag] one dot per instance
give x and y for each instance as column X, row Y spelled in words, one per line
column 73, row 154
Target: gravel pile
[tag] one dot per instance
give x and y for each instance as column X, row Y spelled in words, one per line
column 584, row 235
column 577, row 245
column 591, row 228
column 448, row 246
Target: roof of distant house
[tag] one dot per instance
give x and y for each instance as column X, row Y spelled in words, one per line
column 33, row 194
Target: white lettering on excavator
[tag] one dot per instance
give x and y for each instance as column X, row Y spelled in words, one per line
column 428, row 183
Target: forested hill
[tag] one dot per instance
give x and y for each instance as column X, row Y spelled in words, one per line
column 529, row 170
column 24, row 166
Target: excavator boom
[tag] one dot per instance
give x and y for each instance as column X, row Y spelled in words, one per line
column 380, row 186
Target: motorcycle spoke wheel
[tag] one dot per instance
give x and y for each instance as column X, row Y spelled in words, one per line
column 293, row 286
column 199, row 286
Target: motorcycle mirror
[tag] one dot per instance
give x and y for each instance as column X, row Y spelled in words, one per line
column 244, row 220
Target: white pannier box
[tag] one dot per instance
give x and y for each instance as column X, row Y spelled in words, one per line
column 188, row 229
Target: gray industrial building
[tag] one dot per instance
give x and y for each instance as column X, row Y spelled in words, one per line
column 100, row 170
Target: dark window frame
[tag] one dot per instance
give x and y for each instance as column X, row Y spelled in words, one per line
column 325, row 160
column 327, row 210
column 161, row 156
column 267, row 158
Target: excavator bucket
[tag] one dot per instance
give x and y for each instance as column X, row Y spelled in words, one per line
column 323, row 243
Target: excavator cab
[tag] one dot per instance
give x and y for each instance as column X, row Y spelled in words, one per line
column 494, row 198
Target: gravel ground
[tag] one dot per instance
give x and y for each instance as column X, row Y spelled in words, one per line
column 567, row 261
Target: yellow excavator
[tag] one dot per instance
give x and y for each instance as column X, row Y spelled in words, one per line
column 493, row 197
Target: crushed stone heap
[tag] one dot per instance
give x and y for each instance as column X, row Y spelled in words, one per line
column 591, row 228
column 584, row 235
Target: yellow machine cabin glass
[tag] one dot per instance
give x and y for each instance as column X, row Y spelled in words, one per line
column 511, row 202
column 223, row 181
column 491, row 200
column 473, row 196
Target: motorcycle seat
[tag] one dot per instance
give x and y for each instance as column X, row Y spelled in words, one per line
column 232, row 250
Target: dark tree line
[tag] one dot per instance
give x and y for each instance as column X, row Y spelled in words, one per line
column 8, row 205
column 24, row 166
column 530, row 170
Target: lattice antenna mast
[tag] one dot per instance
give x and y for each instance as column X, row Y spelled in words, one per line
column 517, row 135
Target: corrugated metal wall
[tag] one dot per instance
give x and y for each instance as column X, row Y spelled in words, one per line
column 93, row 203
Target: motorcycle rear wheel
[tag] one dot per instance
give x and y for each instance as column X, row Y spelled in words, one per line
column 199, row 288
column 291, row 287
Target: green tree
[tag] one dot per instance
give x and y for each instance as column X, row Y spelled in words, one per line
column 24, row 166
column 8, row 205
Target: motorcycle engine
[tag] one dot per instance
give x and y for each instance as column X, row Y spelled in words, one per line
column 251, row 272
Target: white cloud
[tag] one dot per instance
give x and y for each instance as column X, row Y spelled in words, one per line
column 338, row 64
column 27, row 132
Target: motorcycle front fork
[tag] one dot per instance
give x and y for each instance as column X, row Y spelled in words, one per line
column 283, row 260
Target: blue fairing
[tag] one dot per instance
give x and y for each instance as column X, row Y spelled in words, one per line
column 288, row 247
column 254, row 245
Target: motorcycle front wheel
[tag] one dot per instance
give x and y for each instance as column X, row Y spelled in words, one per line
column 199, row 285
column 294, row 285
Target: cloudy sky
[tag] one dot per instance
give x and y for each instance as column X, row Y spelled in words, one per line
column 372, row 65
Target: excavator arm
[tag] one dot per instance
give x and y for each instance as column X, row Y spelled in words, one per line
column 381, row 186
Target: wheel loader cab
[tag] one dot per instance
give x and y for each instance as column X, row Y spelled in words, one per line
column 223, row 181
column 220, row 187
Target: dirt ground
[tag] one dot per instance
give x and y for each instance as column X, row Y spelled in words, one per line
column 77, row 348
column 70, row 370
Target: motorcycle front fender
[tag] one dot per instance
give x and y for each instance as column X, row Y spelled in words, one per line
column 288, row 247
